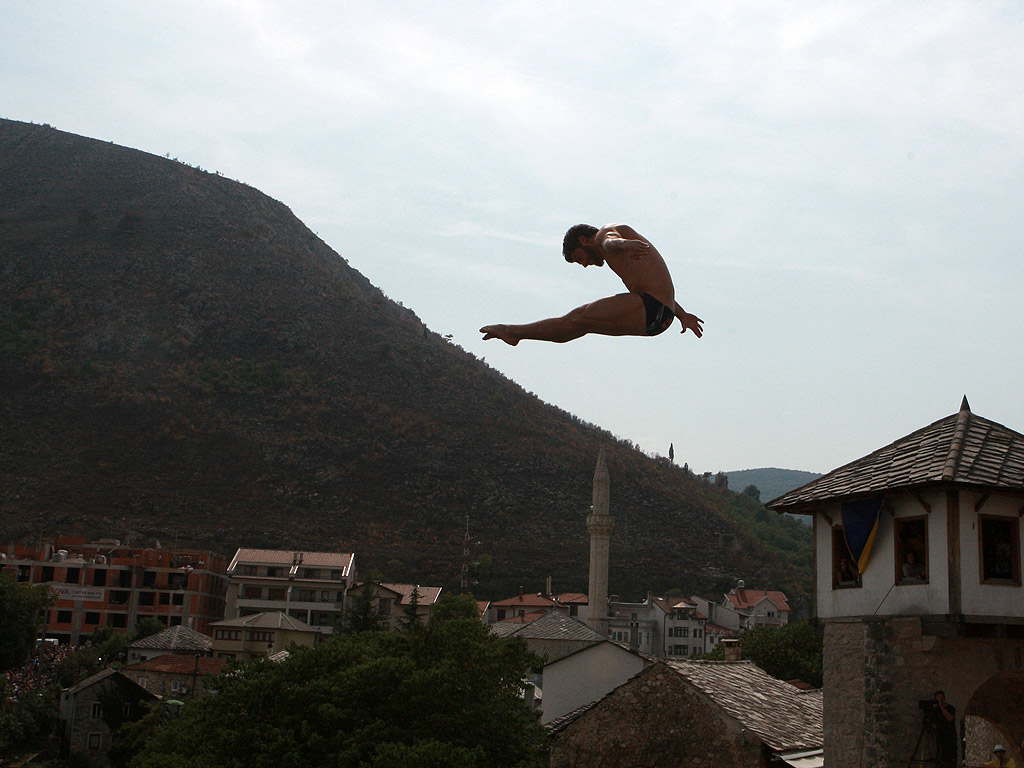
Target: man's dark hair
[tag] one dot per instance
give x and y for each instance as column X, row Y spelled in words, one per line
column 571, row 241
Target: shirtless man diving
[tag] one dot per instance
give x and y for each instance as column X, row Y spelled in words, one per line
column 647, row 310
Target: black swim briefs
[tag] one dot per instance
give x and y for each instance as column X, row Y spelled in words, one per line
column 659, row 317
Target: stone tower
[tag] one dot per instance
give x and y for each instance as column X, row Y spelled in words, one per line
column 599, row 526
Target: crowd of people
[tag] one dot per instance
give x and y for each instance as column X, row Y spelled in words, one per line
column 39, row 672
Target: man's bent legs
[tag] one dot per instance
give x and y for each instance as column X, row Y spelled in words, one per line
column 620, row 315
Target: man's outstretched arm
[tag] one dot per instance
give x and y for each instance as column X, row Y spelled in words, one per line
column 689, row 321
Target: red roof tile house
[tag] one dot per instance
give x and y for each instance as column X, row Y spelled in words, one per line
column 759, row 607
column 521, row 605
column 173, row 676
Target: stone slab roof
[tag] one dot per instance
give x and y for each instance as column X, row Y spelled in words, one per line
column 962, row 449
column 178, row 638
column 782, row 716
column 555, row 625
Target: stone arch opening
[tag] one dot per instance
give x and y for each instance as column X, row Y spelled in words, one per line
column 995, row 715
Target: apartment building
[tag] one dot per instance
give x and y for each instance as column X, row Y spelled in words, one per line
column 106, row 583
column 309, row 586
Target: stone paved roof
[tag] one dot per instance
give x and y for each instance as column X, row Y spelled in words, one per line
column 962, row 449
column 179, row 638
column 555, row 625
column 782, row 716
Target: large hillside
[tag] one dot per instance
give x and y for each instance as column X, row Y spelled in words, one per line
column 182, row 359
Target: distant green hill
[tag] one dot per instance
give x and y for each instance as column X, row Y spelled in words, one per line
column 770, row 481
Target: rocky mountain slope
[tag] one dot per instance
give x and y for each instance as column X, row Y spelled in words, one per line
column 182, row 359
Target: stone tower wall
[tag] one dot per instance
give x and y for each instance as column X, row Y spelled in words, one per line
column 876, row 672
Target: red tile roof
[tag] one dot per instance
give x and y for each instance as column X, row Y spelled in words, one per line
column 745, row 599
column 427, row 595
column 290, row 557
column 173, row 663
column 523, row 601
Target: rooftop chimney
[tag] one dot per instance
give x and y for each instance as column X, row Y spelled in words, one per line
column 733, row 650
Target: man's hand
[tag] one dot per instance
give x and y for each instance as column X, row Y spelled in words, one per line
column 692, row 322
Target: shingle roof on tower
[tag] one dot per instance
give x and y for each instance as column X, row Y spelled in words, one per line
column 962, row 449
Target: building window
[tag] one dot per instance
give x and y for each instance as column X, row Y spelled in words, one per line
column 277, row 593
column 146, row 598
column 46, row 573
column 63, row 617
column 273, row 572
column 92, row 617
column 117, row 620
column 165, row 598
column 999, row 542
column 178, row 599
column 97, row 710
column 99, row 577
column 72, row 575
column 149, row 578
column 911, row 540
column 248, row 570
column 574, row 610
column 844, row 570
column 94, row 741
column 144, row 683
column 252, row 592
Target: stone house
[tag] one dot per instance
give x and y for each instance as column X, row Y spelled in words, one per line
column 174, row 676
column 586, row 675
column 259, row 635
column 701, row 714
column 92, row 711
column 918, row 589
column 179, row 639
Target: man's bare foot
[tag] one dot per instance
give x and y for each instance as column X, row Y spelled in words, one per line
column 499, row 332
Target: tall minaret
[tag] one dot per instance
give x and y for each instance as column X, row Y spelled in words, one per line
column 599, row 525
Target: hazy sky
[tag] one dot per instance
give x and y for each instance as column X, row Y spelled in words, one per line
column 838, row 187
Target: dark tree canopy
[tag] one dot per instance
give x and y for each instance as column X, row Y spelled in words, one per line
column 20, row 618
column 442, row 694
column 789, row 652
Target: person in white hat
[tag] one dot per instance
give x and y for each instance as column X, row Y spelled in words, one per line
column 1001, row 759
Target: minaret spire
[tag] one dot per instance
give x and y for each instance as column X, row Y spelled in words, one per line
column 599, row 525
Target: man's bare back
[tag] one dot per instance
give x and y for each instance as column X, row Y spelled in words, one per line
column 647, row 310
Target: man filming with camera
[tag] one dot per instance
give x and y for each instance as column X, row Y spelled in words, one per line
column 941, row 715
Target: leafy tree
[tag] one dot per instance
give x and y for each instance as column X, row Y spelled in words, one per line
column 442, row 694
column 790, row 652
column 450, row 607
column 20, row 618
column 671, row 452
column 146, row 626
column 753, row 492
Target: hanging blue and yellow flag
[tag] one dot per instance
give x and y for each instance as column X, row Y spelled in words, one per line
column 860, row 526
